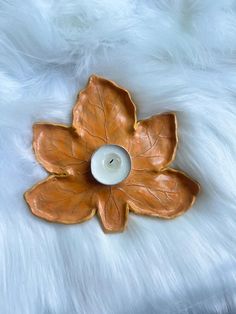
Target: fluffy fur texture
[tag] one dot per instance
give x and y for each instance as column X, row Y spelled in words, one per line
column 173, row 55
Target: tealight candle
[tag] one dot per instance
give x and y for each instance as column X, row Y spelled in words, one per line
column 110, row 164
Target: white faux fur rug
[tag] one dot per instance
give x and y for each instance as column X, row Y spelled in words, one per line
column 173, row 55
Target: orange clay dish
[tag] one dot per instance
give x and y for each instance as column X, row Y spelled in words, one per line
column 105, row 114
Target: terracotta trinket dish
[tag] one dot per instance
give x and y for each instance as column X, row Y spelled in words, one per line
column 105, row 114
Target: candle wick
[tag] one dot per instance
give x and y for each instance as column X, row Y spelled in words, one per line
column 111, row 161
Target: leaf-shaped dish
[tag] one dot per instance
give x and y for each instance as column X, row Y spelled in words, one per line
column 105, row 114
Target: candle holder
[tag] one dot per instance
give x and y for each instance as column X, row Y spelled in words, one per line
column 108, row 162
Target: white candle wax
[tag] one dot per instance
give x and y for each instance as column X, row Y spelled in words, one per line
column 110, row 164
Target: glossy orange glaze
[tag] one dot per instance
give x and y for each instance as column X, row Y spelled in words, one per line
column 105, row 114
